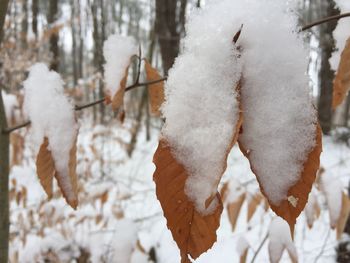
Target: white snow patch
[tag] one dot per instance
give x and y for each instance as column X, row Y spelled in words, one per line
column 117, row 51
column 242, row 245
column 201, row 107
column 124, row 241
column 51, row 115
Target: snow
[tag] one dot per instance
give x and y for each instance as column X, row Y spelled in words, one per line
column 333, row 189
column 279, row 120
column 51, row 114
column 279, row 239
column 201, row 107
column 235, row 190
column 10, row 103
column 341, row 33
column 310, row 208
column 125, row 240
column 242, row 245
column 117, row 51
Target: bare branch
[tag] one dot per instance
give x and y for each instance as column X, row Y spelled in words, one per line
column 325, row 20
column 259, row 248
column 88, row 105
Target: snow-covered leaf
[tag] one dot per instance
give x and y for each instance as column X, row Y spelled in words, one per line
column 341, row 83
column 53, row 130
column 193, row 232
column 155, row 91
column 233, row 197
column 242, row 249
column 333, row 191
column 296, row 195
column 117, row 51
column 312, row 209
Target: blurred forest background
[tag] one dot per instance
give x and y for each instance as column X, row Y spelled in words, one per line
column 68, row 35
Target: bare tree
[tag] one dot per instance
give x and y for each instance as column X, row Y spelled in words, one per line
column 51, row 18
column 169, row 25
column 4, row 161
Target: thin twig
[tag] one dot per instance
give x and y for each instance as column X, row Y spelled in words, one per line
column 11, row 129
column 323, row 246
column 259, row 248
column 88, row 105
column 325, row 20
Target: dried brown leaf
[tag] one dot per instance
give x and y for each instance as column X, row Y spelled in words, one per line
column 344, row 214
column 45, row 167
column 233, row 207
column 193, row 233
column 253, row 203
column 118, row 98
column 341, row 84
column 243, row 257
column 70, row 192
column 155, row 91
column 290, row 209
column 233, row 210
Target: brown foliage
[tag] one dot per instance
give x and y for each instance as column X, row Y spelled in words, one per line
column 341, row 84
column 155, row 91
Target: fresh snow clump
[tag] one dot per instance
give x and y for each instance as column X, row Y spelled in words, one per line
column 117, row 51
column 201, row 107
column 280, row 239
column 333, row 190
column 279, row 124
column 51, row 114
column 10, row 103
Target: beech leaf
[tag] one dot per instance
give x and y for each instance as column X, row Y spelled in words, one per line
column 290, row 208
column 193, row 233
column 344, row 214
column 118, row 97
column 45, row 167
column 341, row 84
column 253, row 203
column 155, row 91
column 233, row 206
column 67, row 181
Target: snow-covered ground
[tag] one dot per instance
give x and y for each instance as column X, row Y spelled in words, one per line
column 119, row 218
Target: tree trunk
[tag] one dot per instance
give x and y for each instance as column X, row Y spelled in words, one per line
column 51, row 18
column 35, row 11
column 74, row 43
column 4, row 162
column 4, row 178
column 24, row 29
column 326, row 74
column 169, row 27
